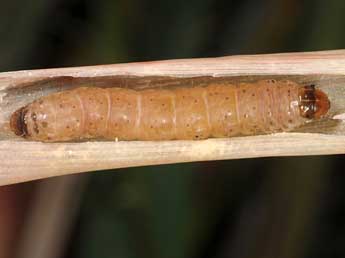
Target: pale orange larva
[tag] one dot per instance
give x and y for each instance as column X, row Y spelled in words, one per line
column 217, row 110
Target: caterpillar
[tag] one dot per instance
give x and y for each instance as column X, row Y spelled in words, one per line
column 216, row 110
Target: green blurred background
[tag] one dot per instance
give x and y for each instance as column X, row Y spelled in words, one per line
column 270, row 207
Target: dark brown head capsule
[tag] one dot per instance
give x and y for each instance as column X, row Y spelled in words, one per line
column 17, row 122
column 313, row 103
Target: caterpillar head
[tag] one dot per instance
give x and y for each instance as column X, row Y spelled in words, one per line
column 314, row 103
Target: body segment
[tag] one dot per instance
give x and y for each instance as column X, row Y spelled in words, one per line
column 217, row 110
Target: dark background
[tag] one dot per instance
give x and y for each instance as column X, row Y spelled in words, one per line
column 269, row 207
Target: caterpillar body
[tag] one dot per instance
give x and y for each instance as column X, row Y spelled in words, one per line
column 217, row 110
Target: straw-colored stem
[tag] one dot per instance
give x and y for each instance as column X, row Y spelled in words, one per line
column 22, row 160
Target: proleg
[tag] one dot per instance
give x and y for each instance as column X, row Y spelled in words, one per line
column 217, row 110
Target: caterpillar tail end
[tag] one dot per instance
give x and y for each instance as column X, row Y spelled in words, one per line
column 17, row 122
